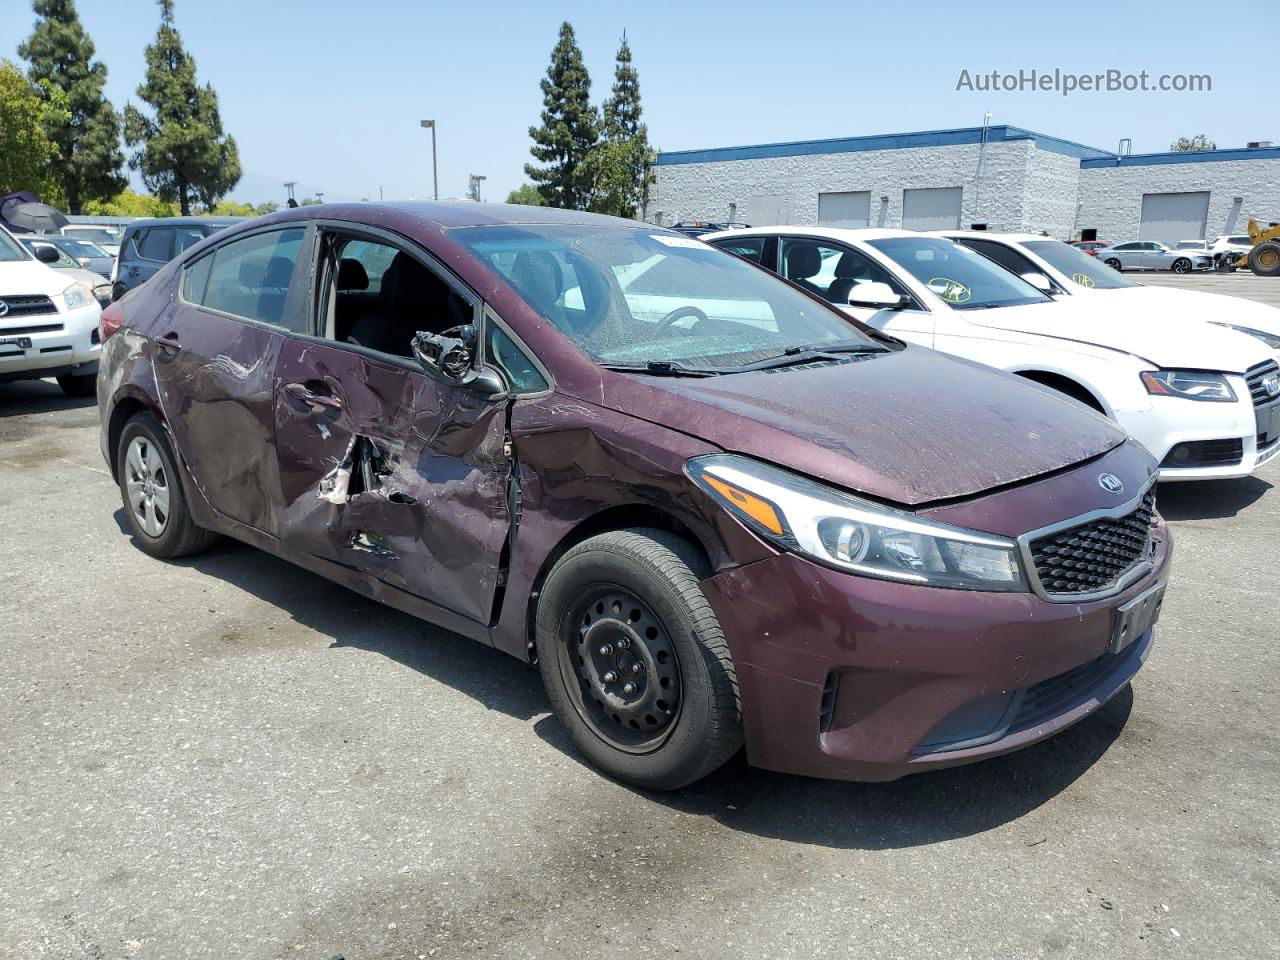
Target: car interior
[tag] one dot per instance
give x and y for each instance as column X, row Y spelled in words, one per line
column 383, row 297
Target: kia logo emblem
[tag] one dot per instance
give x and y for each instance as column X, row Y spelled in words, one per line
column 1110, row 483
column 4, row 308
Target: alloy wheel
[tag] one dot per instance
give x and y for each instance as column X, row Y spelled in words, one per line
column 147, row 482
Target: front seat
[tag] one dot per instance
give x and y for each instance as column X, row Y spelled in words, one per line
column 803, row 262
column 411, row 298
column 850, row 271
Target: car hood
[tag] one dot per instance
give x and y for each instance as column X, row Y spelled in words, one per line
column 1213, row 307
column 911, row 427
column 1169, row 336
column 29, row 277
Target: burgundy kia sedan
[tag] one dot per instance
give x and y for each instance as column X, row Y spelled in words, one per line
column 714, row 510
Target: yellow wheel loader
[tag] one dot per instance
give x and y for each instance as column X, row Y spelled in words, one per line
column 1264, row 258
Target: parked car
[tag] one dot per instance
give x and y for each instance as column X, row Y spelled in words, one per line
column 1149, row 255
column 1071, row 275
column 148, row 245
column 1228, row 249
column 697, row 228
column 662, row 473
column 48, row 321
column 107, row 237
column 88, row 255
column 70, row 269
column 1201, row 246
column 1091, row 247
column 1183, row 388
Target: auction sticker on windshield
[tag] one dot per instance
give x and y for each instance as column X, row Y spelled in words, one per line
column 952, row 291
column 1083, row 279
column 676, row 241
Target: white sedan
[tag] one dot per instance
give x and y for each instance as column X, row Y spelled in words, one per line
column 1205, row 400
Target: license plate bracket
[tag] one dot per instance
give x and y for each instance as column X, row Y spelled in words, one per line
column 22, row 343
column 1136, row 617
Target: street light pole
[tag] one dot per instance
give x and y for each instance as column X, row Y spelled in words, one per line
column 435, row 182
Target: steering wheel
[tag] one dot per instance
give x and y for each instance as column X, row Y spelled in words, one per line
column 679, row 313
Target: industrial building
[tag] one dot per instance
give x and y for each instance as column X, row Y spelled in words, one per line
column 1005, row 177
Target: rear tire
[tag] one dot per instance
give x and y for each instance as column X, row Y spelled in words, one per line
column 1264, row 259
column 1114, row 264
column 152, row 492
column 83, row 385
column 624, row 610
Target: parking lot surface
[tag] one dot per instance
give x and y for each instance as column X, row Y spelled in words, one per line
column 1237, row 284
column 229, row 757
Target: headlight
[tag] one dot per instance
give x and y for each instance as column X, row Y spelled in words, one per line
column 1190, row 384
column 842, row 531
column 1270, row 339
column 102, row 293
column 76, row 296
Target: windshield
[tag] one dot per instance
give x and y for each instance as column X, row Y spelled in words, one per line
column 62, row 261
column 96, row 235
column 956, row 275
column 81, row 248
column 9, row 248
column 1085, row 270
column 634, row 296
column 1191, row 244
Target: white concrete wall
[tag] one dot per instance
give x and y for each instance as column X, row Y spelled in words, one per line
column 1051, row 193
column 703, row 191
column 1111, row 197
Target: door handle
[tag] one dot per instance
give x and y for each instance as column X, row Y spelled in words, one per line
column 304, row 394
column 169, row 342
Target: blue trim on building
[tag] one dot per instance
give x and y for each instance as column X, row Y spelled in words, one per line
column 1197, row 156
column 1089, row 157
column 888, row 141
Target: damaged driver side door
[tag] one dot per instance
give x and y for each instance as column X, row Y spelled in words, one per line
column 384, row 468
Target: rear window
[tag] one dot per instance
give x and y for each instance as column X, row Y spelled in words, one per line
column 247, row 278
column 155, row 243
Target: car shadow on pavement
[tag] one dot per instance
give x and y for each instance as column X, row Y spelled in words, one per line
column 25, row 397
column 921, row 809
column 1209, row 499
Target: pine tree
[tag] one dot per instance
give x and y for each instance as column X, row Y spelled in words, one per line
column 569, row 128
column 181, row 150
column 621, row 166
column 85, row 130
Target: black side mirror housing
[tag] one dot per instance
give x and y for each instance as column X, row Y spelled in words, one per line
column 450, row 356
column 46, row 253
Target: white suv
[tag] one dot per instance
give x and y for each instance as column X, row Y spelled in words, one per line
column 1205, row 400
column 48, row 328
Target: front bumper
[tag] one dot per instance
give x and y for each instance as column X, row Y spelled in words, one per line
column 853, row 678
column 1173, row 421
column 63, row 342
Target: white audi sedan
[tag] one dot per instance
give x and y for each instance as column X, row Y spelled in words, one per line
column 1072, row 273
column 1205, row 400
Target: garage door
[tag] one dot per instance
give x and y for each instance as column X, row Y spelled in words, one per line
column 1170, row 217
column 844, row 209
column 766, row 211
column 934, row 208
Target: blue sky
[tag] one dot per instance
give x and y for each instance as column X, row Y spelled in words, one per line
column 331, row 93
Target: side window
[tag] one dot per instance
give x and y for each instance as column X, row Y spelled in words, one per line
column 752, row 248
column 156, row 244
column 1007, row 257
column 1128, row 246
column 832, row 271
column 188, row 237
column 502, row 352
column 380, row 296
column 248, row 278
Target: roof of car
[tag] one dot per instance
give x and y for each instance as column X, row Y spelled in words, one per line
column 185, row 222
column 847, row 234
column 990, row 235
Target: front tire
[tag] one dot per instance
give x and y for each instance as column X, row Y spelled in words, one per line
column 85, row 385
column 634, row 661
column 1115, row 265
column 152, row 492
column 1182, row 265
column 1264, row 259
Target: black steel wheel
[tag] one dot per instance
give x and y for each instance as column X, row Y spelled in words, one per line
column 634, row 661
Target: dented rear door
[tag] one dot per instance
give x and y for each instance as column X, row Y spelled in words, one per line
column 388, row 471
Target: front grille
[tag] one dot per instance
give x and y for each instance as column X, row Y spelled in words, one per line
column 32, row 328
column 1256, row 377
column 1093, row 556
column 1204, row 453
column 27, row 305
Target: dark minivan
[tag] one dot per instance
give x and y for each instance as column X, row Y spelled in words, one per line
column 714, row 510
column 147, row 245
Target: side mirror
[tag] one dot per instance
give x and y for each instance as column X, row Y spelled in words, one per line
column 450, row 356
column 1039, row 281
column 875, row 294
column 46, row 253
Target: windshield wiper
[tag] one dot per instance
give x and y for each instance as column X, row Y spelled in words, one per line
column 662, row 368
column 851, row 346
column 793, row 356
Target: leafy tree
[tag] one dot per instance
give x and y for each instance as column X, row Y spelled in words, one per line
column 82, row 124
column 127, row 203
column 569, row 128
column 309, row 202
column 181, row 150
column 527, row 194
column 1190, row 144
column 621, row 165
column 27, row 155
